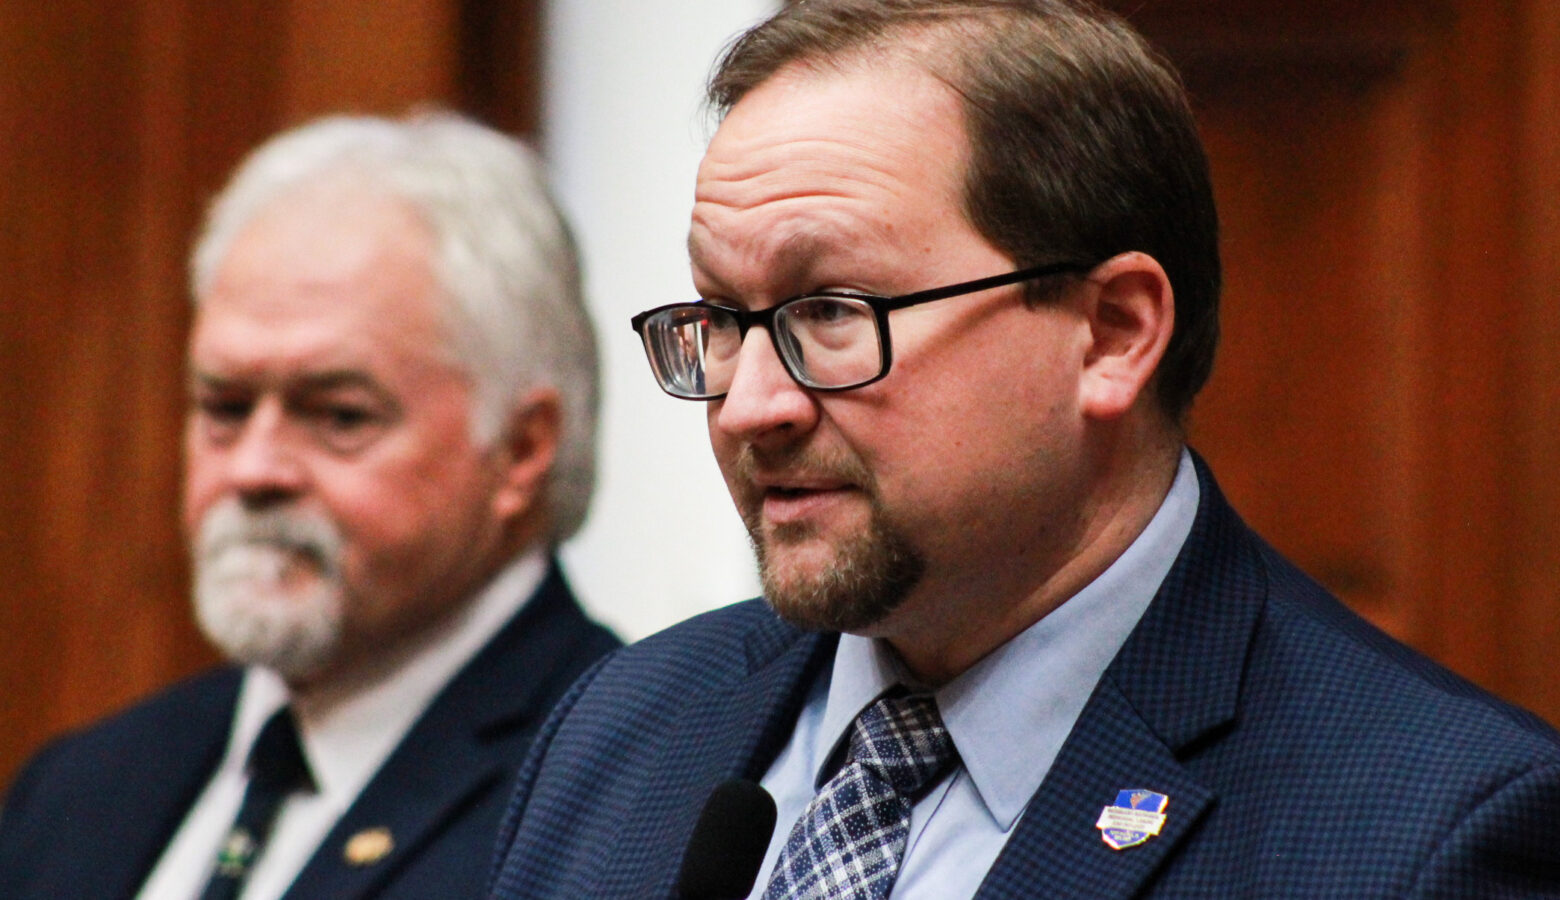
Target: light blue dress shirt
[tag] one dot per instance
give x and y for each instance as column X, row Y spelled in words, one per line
column 1008, row 714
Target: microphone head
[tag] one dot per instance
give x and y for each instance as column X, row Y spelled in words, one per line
column 728, row 843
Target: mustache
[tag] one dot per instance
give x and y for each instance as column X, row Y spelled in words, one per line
column 228, row 526
column 751, row 463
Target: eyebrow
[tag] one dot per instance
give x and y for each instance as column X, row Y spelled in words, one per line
column 790, row 263
column 337, row 379
column 330, row 379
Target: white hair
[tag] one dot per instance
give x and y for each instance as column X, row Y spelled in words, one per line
column 505, row 258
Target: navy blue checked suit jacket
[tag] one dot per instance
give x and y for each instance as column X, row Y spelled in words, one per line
column 1305, row 754
column 92, row 813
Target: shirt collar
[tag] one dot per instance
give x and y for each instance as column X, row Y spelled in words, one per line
column 1010, row 713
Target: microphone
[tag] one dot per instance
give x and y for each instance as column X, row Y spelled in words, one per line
column 728, row 843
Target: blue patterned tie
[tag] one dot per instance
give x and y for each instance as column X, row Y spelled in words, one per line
column 849, row 840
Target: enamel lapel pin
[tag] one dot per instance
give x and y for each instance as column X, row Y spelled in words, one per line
column 1136, row 816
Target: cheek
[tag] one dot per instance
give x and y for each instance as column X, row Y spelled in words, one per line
column 385, row 533
column 202, row 486
column 978, row 429
column 391, row 514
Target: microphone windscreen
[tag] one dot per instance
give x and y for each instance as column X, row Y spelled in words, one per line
column 728, row 843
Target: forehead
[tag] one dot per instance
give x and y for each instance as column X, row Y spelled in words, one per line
column 338, row 278
column 819, row 152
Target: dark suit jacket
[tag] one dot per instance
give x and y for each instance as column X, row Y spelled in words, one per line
column 1304, row 753
column 89, row 817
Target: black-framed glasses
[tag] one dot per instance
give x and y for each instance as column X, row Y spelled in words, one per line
column 828, row 340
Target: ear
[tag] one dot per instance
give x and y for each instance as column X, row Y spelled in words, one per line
column 527, row 450
column 1131, row 313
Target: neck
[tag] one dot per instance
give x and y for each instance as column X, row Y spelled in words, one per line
column 951, row 624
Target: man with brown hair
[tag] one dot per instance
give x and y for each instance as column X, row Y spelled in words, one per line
column 958, row 276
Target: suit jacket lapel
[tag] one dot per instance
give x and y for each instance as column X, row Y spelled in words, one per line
column 144, row 803
column 738, row 728
column 425, row 782
column 459, row 748
column 1056, row 850
column 1172, row 688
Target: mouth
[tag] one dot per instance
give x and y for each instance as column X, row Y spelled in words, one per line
column 798, row 490
column 790, row 490
column 287, row 560
column 784, row 504
column 276, row 545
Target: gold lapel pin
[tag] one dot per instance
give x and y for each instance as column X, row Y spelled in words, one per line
column 368, row 846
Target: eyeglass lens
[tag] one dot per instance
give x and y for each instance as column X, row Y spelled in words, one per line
column 825, row 342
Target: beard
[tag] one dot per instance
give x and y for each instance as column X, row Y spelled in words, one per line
column 268, row 587
column 867, row 576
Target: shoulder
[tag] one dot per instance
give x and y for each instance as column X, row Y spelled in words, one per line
column 652, row 678
column 740, row 635
column 114, row 781
column 626, row 757
column 190, row 713
column 555, row 617
column 1359, row 766
column 1315, row 652
column 1342, row 724
column 527, row 665
column 1340, row 682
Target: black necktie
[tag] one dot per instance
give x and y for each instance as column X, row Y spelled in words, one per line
column 276, row 768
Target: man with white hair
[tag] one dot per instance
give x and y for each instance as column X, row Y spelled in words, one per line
column 393, row 397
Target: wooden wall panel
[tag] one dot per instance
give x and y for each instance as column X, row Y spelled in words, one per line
column 1269, row 420
column 120, row 120
column 1535, row 331
column 84, row 465
column 1466, row 369
column 500, row 74
column 381, row 56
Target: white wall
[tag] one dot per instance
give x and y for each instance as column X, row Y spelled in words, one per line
column 624, row 131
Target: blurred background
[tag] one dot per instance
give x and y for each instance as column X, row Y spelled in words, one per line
column 1385, row 409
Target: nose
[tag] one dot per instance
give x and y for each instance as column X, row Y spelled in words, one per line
column 264, row 464
column 764, row 405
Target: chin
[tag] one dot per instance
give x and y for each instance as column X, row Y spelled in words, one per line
column 246, row 615
column 850, row 586
column 269, row 589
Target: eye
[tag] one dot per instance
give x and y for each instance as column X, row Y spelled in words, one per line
column 222, row 409
column 343, row 417
column 820, row 311
column 344, row 425
column 221, row 414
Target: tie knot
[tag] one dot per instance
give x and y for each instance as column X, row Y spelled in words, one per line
column 903, row 739
column 276, row 760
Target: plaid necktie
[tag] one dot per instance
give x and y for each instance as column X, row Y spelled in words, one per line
column 849, row 840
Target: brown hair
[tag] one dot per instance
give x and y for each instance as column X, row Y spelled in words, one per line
column 1082, row 139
